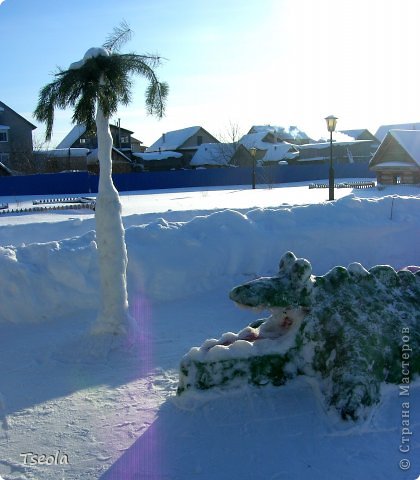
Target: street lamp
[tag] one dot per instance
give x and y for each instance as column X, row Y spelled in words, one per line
column 331, row 124
column 253, row 152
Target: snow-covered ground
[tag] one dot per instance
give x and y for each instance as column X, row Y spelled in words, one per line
column 99, row 416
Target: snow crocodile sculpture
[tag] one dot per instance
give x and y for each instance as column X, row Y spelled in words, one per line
column 351, row 329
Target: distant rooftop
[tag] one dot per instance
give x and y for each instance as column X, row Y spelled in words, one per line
column 291, row 132
column 76, row 132
column 174, row 139
column 256, row 140
column 384, row 129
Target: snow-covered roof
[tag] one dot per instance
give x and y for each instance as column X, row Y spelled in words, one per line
column 75, row 133
column 355, row 133
column 339, row 137
column 409, row 141
column 255, row 140
column 384, row 129
column 64, row 152
column 162, row 155
column 292, row 132
column 212, row 154
column 279, row 151
column 173, row 140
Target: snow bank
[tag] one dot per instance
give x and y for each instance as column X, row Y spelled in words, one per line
column 172, row 260
column 43, row 281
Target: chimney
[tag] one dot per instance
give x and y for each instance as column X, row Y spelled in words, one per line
column 163, row 137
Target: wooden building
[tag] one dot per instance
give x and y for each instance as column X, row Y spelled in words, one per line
column 185, row 141
column 397, row 159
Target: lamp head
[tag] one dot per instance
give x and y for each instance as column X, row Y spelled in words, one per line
column 331, row 122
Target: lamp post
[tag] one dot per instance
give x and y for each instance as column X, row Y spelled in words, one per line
column 331, row 124
column 253, row 152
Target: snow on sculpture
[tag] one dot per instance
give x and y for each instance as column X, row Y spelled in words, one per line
column 347, row 329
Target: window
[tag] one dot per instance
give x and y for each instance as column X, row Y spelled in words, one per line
column 82, row 141
column 3, row 136
column 125, row 140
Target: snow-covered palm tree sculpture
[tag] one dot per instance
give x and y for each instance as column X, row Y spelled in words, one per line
column 96, row 85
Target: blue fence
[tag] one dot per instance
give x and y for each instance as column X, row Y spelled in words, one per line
column 83, row 182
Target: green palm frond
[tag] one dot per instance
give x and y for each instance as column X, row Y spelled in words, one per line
column 156, row 94
column 119, row 36
column 103, row 79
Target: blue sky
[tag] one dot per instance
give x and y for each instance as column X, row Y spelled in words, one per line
column 279, row 62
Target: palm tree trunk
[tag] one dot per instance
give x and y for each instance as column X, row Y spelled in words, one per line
column 110, row 237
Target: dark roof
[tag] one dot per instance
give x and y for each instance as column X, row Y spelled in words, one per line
column 20, row 116
column 111, row 125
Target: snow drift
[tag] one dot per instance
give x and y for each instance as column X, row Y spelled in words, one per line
column 170, row 260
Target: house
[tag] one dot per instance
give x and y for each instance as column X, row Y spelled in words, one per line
column 351, row 151
column 270, row 150
column 185, row 141
column 211, row 155
column 291, row 134
column 16, row 144
column 397, row 159
column 78, row 138
column 279, row 154
column 384, row 129
column 260, row 141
